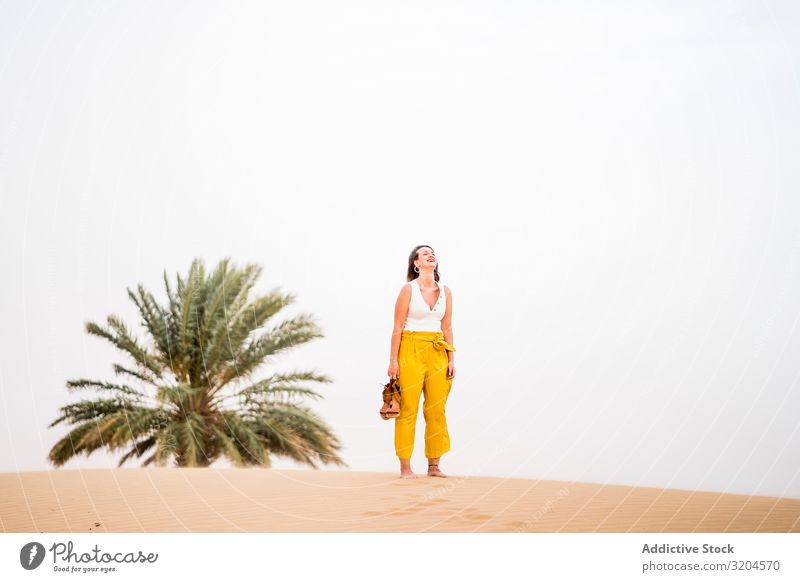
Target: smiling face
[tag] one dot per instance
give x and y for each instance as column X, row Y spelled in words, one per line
column 426, row 259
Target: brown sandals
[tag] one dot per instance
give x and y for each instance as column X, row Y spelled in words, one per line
column 391, row 400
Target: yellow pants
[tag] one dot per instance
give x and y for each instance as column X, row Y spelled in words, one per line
column 423, row 366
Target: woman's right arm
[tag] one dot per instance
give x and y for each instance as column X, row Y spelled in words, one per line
column 400, row 315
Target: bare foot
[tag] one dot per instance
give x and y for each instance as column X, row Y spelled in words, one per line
column 405, row 469
column 433, row 471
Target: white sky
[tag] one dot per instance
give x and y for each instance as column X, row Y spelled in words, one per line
column 611, row 189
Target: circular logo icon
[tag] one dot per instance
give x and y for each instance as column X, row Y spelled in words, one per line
column 31, row 555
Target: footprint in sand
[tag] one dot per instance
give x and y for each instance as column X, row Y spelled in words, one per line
column 433, row 501
column 477, row 517
column 469, row 514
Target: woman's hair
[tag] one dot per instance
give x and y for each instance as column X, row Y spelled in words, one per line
column 412, row 274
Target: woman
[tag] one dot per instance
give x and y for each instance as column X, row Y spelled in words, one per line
column 421, row 358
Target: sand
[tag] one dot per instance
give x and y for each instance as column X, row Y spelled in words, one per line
column 272, row 500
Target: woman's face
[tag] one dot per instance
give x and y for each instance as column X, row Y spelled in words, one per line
column 426, row 259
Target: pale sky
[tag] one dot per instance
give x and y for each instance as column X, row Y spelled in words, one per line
column 611, row 189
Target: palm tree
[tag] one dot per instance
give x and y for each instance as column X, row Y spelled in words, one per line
column 194, row 398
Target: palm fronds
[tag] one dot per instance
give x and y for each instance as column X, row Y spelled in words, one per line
column 207, row 336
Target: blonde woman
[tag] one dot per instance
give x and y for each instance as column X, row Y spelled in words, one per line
column 422, row 359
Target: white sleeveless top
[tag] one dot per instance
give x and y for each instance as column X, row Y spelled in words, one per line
column 420, row 316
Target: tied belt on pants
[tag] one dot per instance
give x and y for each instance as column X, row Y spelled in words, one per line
column 435, row 338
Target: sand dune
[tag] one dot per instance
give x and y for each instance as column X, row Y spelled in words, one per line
column 271, row 500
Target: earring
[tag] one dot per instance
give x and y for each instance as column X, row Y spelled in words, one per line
column 416, row 269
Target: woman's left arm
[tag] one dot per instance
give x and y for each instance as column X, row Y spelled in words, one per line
column 447, row 322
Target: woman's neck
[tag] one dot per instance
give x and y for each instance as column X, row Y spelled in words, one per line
column 427, row 280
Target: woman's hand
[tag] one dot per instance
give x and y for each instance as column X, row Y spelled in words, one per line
column 394, row 370
column 451, row 370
